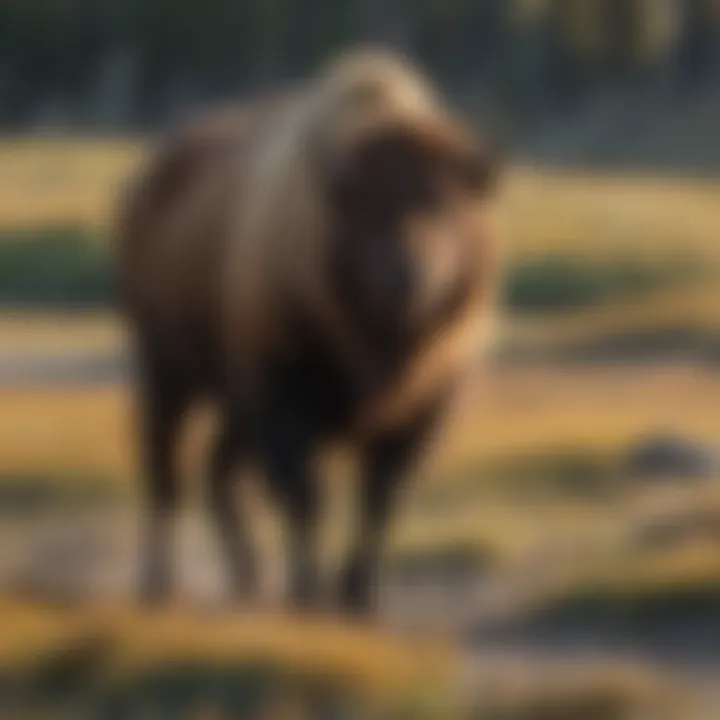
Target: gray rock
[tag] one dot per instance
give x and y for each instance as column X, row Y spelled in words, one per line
column 667, row 456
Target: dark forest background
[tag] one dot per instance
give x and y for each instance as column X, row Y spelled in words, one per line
column 559, row 75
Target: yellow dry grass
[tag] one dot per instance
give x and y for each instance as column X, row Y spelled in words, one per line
column 692, row 309
column 89, row 433
column 58, row 181
column 363, row 657
column 51, row 181
column 28, row 332
column 417, row 678
column 60, row 431
column 624, row 573
column 67, row 431
column 608, row 216
column 546, row 409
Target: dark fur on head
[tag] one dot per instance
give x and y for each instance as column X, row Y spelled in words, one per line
column 404, row 165
column 395, row 183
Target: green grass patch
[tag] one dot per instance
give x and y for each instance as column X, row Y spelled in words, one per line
column 557, row 281
column 577, row 473
column 60, row 267
column 627, row 611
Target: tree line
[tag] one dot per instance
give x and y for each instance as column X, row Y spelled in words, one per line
column 132, row 63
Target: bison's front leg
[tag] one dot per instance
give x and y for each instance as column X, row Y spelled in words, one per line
column 230, row 449
column 387, row 462
column 289, row 458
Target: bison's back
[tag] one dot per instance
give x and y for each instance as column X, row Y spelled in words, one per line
column 173, row 231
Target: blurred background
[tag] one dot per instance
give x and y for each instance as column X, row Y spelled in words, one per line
column 561, row 557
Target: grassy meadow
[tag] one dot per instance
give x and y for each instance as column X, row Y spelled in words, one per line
column 532, row 479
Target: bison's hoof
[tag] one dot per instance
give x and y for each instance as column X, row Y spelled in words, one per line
column 356, row 592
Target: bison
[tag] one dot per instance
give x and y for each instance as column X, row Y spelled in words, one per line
column 318, row 264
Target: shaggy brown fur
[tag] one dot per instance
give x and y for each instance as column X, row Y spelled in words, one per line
column 320, row 262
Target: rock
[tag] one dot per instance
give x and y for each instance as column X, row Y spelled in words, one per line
column 665, row 456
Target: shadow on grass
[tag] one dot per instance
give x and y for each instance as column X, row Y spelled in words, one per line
column 23, row 496
column 562, row 473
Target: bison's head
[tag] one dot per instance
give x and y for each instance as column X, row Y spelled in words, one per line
column 410, row 204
